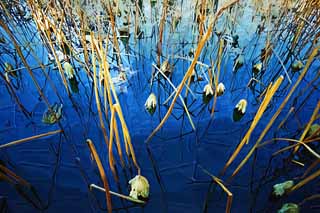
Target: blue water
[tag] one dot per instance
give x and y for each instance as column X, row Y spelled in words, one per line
column 60, row 167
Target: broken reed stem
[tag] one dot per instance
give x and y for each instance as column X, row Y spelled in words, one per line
column 312, row 119
column 103, row 128
column 224, row 188
column 276, row 114
column 117, row 194
column 29, row 139
column 102, row 174
column 191, row 67
column 263, row 106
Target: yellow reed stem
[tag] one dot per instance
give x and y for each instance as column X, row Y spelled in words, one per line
column 269, row 94
column 103, row 128
column 127, row 136
column 102, row 174
column 224, row 188
column 312, row 119
column 111, row 158
column 264, row 132
column 310, row 168
column 46, row 32
column 305, row 181
column 16, row 142
column 116, row 132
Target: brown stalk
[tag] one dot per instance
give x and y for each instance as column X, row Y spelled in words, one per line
column 102, row 174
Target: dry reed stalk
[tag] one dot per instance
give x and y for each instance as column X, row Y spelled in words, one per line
column 298, row 163
column 117, row 108
column 191, row 67
column 224, row 188
column 312, row 197
column 161, row 27
column 305, row 181
column 295, row 145
column 216, row 77
column 35, row 57
column 48, row 37
column 6, row 178
column 29, row 139
column 116, row 132
column 103, row 128
column 203, row 8
column 136, row 20
column 117, row 194
column 114, row 33
column 286, row 117
column 264, row 132
column 263, row 106
column 102, row 173
column 312, row 119
column 127, row 137
column 13, row 175
column 310, row 168
column 110, row 153
column 285, row 139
